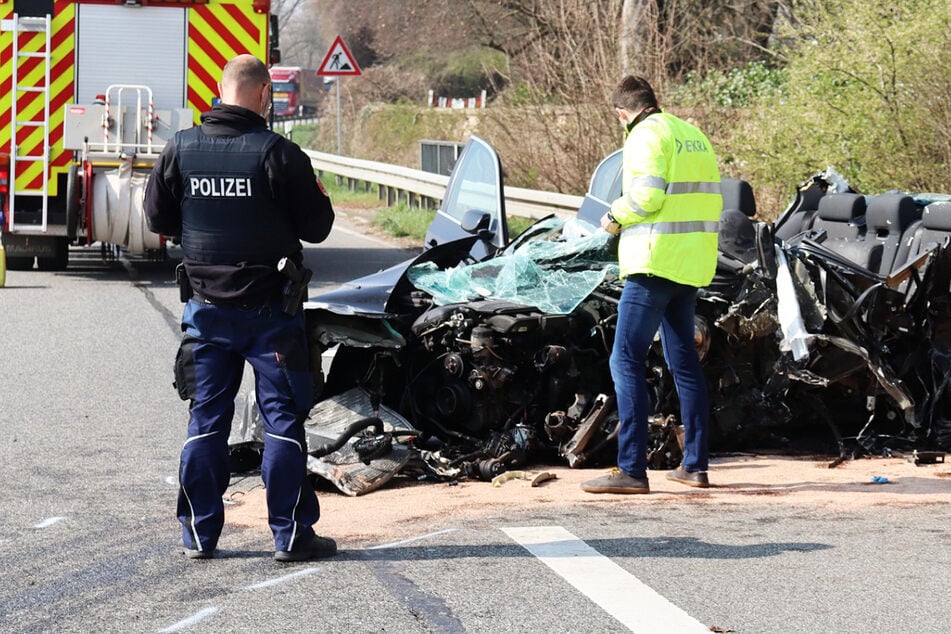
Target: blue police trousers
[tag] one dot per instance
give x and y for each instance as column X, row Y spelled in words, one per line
column 217, row 342
column 648, row 303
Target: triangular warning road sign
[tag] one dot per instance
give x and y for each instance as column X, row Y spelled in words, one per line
column 338, row 61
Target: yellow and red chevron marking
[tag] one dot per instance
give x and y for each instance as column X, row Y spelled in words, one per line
column 6, row 78
column 216, row 33
column 30, row 72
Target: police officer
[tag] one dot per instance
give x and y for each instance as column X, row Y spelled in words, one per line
column 241, row 198
column 667, row 219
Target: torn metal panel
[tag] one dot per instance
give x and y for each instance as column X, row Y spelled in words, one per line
column 345, row 467
column 795, row 336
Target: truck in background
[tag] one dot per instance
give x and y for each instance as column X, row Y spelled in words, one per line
column 89, row 95
column 296, row 91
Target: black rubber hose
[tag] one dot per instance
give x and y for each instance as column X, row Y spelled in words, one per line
column 348, row 433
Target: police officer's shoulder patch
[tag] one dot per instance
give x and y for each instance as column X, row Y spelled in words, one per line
column 322, row 190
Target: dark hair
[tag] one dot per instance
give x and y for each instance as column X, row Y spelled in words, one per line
column 634, row 93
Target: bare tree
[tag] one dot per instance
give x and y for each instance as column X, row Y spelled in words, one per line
column 303, row 42
column 553, row 123
column 661, row 39
column 551, row 120
column 635, row 18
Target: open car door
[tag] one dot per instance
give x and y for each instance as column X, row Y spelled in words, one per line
column 604, row 188
column 473, row 204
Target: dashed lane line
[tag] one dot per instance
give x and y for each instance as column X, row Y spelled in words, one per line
column 278, row 580
column 192, row 620
column 267, row 583
column 622, row 595
column 411, row 539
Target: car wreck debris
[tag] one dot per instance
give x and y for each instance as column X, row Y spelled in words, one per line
column 536, row 478
column 828, row 330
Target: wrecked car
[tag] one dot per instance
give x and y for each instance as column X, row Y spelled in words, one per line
column 828, row 330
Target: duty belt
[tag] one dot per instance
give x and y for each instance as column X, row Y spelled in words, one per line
column 229, row 303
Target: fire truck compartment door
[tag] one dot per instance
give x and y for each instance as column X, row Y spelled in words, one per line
column 83, row 123
column 143, row 46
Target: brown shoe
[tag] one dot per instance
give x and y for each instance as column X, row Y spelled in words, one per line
column 616, row 481
column 690, row 478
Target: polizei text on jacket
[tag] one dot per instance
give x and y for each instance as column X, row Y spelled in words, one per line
column 219, row 187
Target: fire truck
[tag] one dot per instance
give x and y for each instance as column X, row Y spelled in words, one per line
column 90, row 92
column 297, row 91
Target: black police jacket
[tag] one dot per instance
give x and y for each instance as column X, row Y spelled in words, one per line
column 240, row 197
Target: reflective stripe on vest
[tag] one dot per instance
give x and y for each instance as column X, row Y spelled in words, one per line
column 686, row 226
column 693, row 188
column 671, row 189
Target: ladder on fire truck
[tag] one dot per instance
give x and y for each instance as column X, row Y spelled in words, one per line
column 42, row 154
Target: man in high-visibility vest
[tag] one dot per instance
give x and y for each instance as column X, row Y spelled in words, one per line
column 667, row 218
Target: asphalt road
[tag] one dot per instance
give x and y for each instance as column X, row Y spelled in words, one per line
column 91, row 429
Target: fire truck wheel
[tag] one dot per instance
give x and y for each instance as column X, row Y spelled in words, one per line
column 74, row 189
column 58, row 261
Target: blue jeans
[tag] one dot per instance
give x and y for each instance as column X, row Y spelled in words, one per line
column 648, row 303
column 218, row 340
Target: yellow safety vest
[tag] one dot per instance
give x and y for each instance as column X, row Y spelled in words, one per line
column 670, row 208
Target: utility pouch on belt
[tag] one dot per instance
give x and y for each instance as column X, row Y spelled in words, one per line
column 184, row 286
column 295, row 288
column 185, row 383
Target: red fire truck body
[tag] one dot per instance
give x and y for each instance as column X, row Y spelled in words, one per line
column 90, row 92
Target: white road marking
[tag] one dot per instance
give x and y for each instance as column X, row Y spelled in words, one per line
column 49, row 521
column 206, row 612
column 279, row 580
column 411, row 539
column 637, row 606
column 194, row 618
column 171, row 480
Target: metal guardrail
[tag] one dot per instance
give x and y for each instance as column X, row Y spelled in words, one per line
column 424, row 189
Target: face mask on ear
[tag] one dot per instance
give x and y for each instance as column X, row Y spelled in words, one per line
column 266, row 108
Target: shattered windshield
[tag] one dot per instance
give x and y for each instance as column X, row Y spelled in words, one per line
column 554, row 276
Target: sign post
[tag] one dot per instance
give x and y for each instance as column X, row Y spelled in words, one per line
column 338, row 63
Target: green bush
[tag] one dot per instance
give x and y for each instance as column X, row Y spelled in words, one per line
column 866, row 92
column 734, row 88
